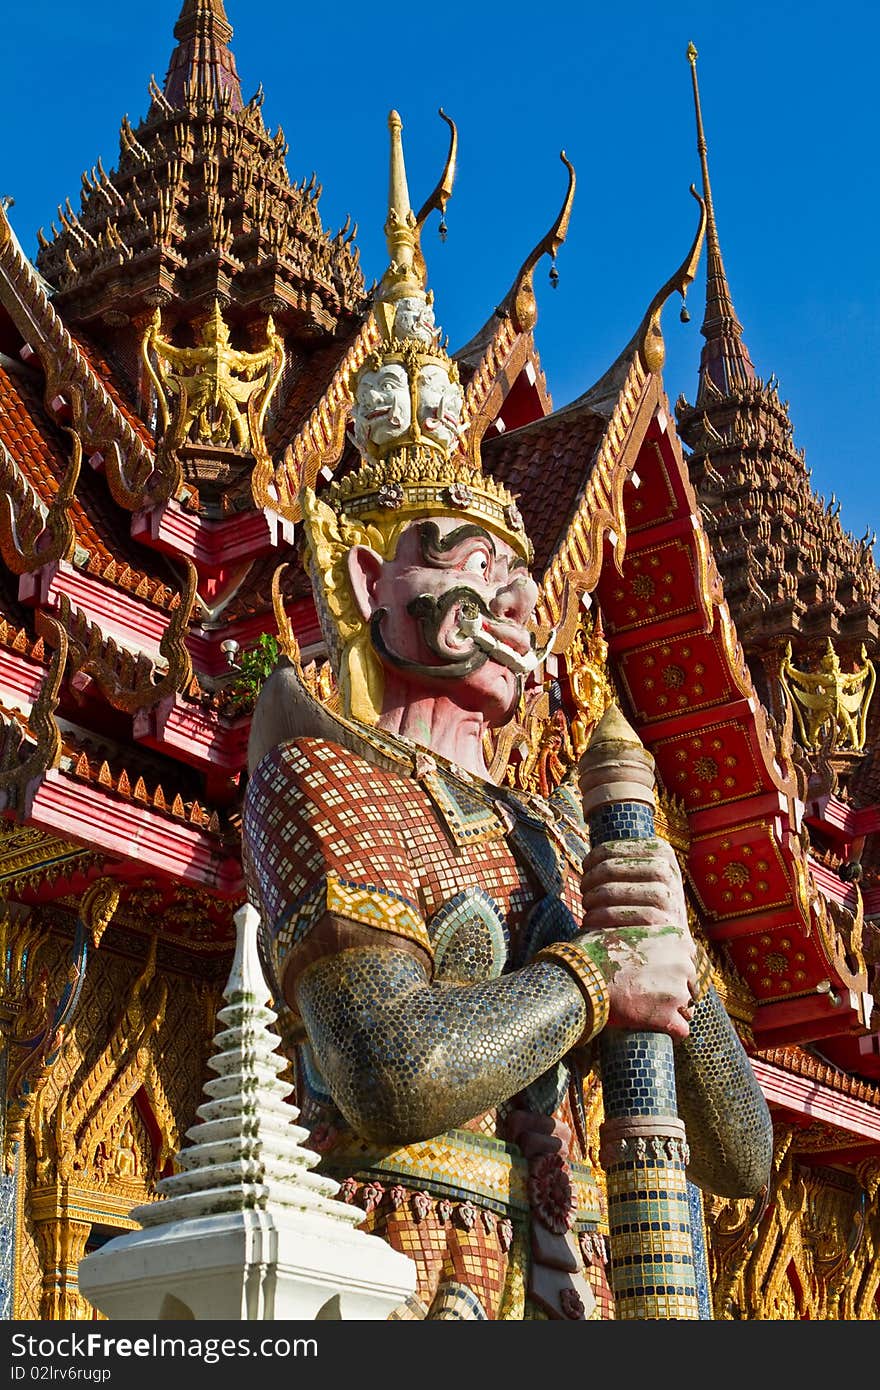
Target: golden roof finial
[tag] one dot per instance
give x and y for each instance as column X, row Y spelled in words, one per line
column 733, row 365
column 402, row 278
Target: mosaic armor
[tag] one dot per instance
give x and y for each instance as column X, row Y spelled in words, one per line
column 417, row 922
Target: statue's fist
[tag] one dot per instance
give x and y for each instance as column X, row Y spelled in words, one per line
column 635, row 922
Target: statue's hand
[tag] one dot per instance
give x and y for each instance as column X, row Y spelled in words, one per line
column 635, row 923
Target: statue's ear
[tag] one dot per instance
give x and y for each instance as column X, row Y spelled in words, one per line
column 364, row 572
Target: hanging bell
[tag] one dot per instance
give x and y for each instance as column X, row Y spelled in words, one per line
column 554, row 274
column 684, row 316
column 443, row 229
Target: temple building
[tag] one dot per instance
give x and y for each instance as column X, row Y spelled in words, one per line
column 174, row 368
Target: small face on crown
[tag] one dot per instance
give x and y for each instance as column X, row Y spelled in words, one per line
column 441, row 401
column 382, row 411
column 414, row 318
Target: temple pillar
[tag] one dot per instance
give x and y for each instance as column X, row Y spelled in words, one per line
column 62, row 1240
column 7, row 1192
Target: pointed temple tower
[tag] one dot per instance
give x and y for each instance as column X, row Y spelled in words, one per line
column 173, row 371
column 805, row 596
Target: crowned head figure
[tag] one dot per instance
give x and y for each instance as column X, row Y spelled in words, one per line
column 419, row 561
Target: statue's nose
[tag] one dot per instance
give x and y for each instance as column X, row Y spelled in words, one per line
column 516, row 600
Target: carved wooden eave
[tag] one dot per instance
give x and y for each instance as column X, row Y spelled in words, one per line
column 103, row 428
column 211, row 545
column 635, row 541
column 194, row 735
column 127, row 675
column 22, row 665
column 125, row 639
column 144, row 669
column 837, row 1116
column 32, row 534
column 49, row 509
column 136, row 837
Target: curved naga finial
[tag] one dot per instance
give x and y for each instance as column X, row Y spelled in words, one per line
column 520, row 300
column 443, row 192
column 438, row 199
column 651, row 347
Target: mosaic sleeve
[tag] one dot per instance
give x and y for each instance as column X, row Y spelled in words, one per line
column 406, row 1060
column 729, row 1129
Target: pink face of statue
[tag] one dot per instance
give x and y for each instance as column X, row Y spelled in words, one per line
column 448, row 614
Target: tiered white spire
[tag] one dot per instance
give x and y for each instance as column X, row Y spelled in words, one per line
column 244, row 1229
column 246, row 1151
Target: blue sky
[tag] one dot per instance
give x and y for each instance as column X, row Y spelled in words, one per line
column 789, row 103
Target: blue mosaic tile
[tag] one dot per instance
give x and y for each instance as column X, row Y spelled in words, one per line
column 701, row 1264
column 622, row 820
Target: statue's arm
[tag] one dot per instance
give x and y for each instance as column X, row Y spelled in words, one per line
column 345, row 940
column 725, row 1114
column 406, row 1059
column 728, row 1125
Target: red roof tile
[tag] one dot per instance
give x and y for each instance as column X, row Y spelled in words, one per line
column 546, row 465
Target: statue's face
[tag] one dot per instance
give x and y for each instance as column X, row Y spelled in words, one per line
column 382, row 410
column 448, row 615
column 440, row 405
column 414, row 318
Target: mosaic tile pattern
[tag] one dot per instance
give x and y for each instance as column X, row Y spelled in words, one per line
column 735, row 1133
column 653, row 1274
column 460, row 1250
column 469, row 937
column 316, row 816
column 622, row 820
column 314, row 809
column 370, row 1012
column 638, row 1076
column 461, row 1164
column 701, row 1264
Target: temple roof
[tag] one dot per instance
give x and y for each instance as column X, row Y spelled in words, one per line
column 790, row 569
column 546, row 464
column 202, row 65
column 201, row 206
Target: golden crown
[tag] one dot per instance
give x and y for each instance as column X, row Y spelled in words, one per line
column 419, row 466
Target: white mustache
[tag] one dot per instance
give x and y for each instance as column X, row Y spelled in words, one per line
column 521, row 663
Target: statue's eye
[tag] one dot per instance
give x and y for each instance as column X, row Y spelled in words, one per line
column 476, row 563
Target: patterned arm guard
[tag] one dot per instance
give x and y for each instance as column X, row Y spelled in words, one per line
column 730, row 1133
column 406, row 1060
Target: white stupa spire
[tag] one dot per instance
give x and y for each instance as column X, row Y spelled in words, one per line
column 244, row 1228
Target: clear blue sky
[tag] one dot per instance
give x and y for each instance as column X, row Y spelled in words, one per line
column 790, row 105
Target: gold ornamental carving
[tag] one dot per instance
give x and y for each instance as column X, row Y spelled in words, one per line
column 829, row 704
column 539, row 747
column 213, row 394
column 26, row 755
column 98, row 906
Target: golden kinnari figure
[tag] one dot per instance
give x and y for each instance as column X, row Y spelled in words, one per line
column 829, row 698
column 213, row 393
